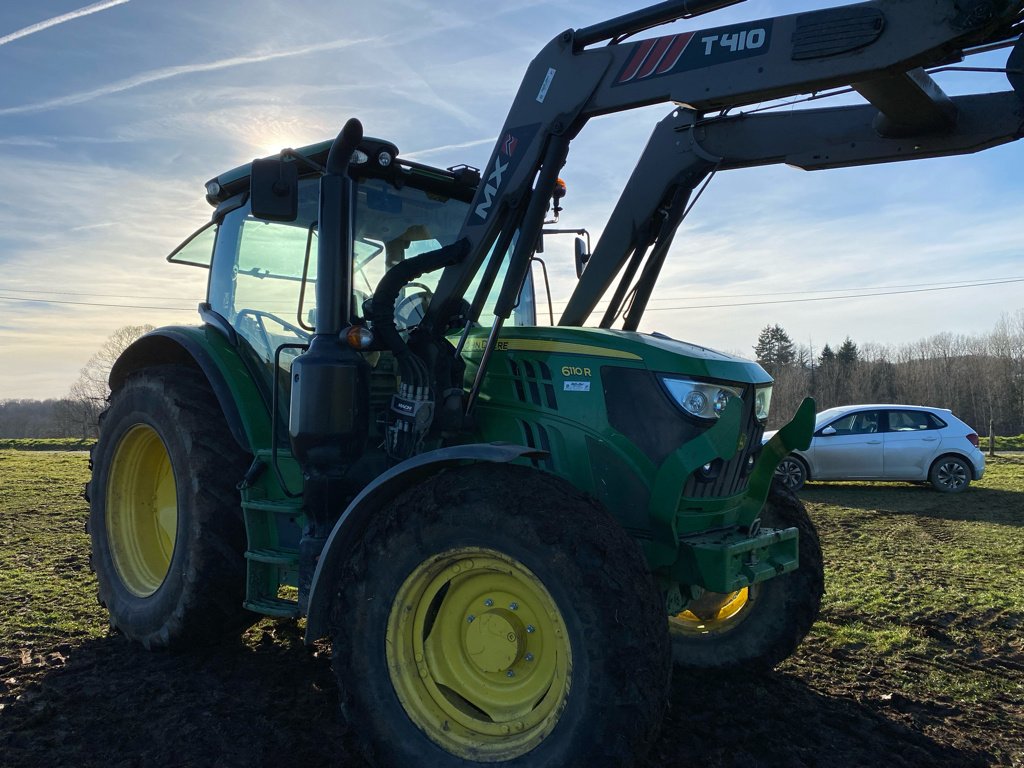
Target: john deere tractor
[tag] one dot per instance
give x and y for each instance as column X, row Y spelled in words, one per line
column 509, row 530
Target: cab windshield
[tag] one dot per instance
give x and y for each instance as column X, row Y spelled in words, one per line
column 263, row 276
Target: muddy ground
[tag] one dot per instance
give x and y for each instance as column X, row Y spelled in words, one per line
column 107, row 703
column 72, row 694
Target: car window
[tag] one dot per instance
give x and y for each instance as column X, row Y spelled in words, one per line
column 859, row 423
column 824, row 416
column 911, row 421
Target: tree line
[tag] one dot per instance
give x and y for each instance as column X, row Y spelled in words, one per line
column 76, row 414
column 980, row 378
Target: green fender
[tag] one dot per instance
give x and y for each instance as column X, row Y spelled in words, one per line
column 244, row 405
column 352, row 523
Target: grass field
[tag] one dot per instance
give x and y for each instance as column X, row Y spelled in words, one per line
column 917, row 659
column 44, row 444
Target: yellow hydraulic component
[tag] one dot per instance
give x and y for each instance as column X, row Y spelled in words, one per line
column 479, row 654
column 141, row 510
column 714, row 612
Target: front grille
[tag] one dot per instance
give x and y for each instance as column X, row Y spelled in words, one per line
column 728, row 478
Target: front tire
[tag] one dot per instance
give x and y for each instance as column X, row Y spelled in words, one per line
column 495, row 615
column 758, row 626
column 165, row 519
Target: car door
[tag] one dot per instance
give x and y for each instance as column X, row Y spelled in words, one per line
column 849, row 447
column 911, row 440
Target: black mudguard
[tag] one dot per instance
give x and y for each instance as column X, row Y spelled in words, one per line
column 373, row 497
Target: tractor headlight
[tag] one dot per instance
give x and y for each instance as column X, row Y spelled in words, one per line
column 762, row 402
column 703, row 399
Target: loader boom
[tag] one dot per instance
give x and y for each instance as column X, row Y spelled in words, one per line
column 878, row 47
column 683, row 150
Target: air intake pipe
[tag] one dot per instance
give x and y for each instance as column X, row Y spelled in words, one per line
column 328, row 422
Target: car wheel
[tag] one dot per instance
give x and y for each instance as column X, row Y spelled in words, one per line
column 792, row 473
column 950, row 474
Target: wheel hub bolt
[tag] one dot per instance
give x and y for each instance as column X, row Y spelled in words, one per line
column 470, row 618
column 488, row 602
column 529, row 657
column 510, row 673
column 513, row 606
column 530, row 629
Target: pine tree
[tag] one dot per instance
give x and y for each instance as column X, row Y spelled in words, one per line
column 827, row 357
column 847, row 354
column 774, row 349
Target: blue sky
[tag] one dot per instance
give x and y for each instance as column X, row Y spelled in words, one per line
column 114, row 114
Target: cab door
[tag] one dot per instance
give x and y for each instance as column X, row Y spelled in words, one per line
column 849, row 447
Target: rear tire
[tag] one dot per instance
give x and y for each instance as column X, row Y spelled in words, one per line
column 950, row 474
column 165, row 518
column 495, row 615
column 761, row 626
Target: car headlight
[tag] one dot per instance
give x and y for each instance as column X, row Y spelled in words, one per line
column 762, row 402
column 705, row 400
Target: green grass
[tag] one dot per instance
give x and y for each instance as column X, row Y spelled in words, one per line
column 49, row 591
column 1007, row 443
column 45, row 444
column 925, row 586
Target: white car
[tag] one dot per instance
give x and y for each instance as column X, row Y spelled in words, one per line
column 887, row 442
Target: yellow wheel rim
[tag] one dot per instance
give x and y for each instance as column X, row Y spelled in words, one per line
column 141, row 510
column 478, row 654
column 714, row 612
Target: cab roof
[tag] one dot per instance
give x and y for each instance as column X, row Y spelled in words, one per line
column 451, row 181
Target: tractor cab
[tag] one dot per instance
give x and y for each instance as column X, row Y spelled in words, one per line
column 263, row 271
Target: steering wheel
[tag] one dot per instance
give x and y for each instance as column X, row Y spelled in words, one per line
column 257, row 316
column 411, row 308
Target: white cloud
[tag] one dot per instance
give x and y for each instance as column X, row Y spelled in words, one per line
column 63, row 18
column 166, row 73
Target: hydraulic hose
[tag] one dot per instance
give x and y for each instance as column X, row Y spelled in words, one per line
column 381, row 310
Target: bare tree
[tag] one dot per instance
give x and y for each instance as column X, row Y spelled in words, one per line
column 980, row 378
column 88, row 395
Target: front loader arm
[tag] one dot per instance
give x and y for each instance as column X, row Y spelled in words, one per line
column 877, row 46
column 683, row 150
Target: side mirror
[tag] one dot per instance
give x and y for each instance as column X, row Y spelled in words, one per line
column 274, row 190
column 582, row 256
column 828, row 431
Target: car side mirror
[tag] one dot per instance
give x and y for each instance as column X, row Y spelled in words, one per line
column 828, row 431
column 274, row 189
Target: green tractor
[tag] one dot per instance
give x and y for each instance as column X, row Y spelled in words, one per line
column 509, row 531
